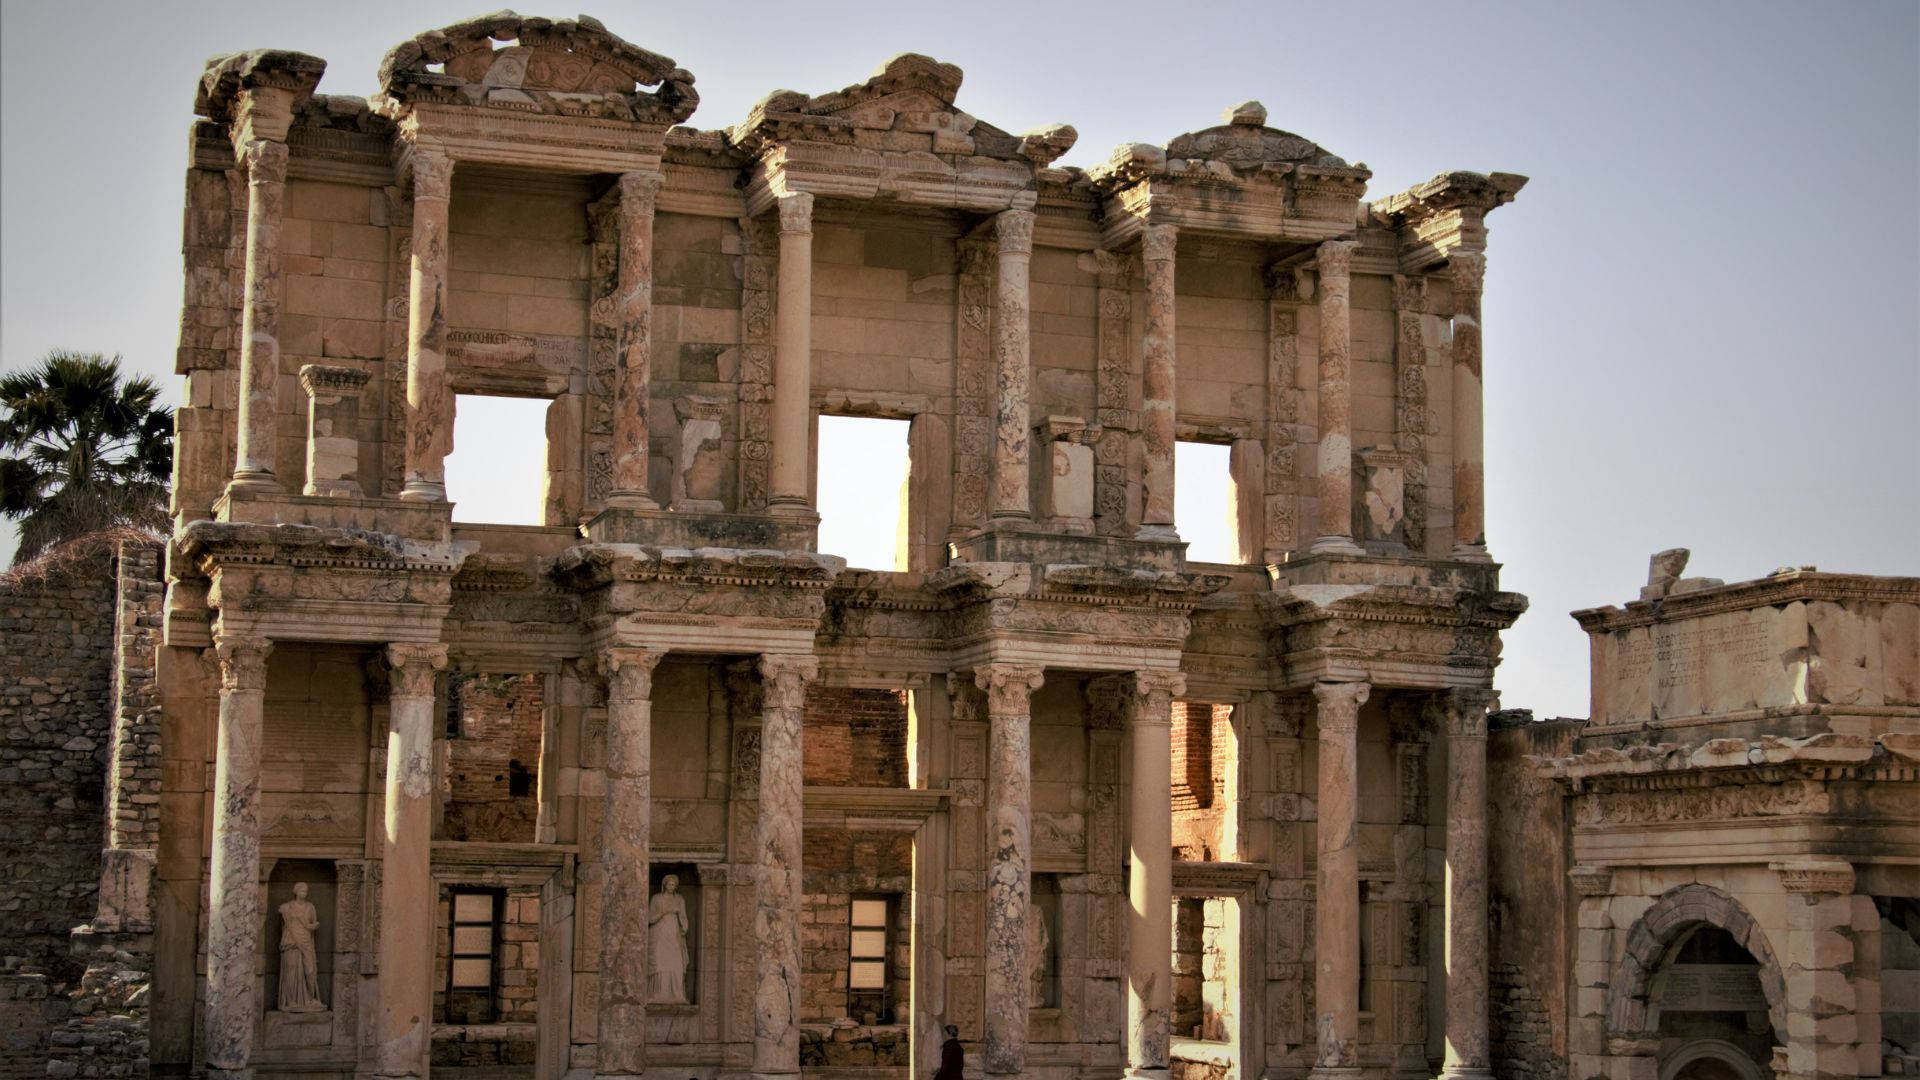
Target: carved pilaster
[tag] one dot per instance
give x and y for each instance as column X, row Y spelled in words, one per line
column 1011, row 487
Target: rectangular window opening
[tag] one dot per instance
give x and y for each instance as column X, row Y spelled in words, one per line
column 497, row 472
column 1203, row 511
column 861, row 490
column 474, row 925
column 869, row 945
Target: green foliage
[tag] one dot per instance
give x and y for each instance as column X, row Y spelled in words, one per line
column 81, row 450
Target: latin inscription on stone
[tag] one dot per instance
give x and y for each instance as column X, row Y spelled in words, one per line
column 1712, row 988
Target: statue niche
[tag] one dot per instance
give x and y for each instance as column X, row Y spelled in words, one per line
column 671, row 911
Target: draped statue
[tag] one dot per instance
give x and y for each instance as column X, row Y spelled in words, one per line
column 667, row 955
column 299, row 962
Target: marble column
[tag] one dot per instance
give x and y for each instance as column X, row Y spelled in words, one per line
column 793, row 356
column 233, row 898
column 1150, row 874
column 266, row 163
column 429, row 415
column 1012, row 433
column 1467, row 1056
column 1335, row 479
column 1469, row 494
column 633, row 360
column 1336, row 949
column 1009, row 690
column 625, row 832
column 403, row 1032
column 1157, row 383
column 776, row 996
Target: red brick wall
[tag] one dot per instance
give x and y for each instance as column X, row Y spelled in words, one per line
column 499, row 719
column 1203, row 747
column 856, row 738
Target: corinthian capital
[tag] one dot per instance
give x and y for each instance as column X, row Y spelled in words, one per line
column 1157, row 244
column 1464, row 711
column 1009, row 687
column 629, row 673
column 1468, row 271
column 1154, row 692
column 1013, row 230
column 265, row 161
column 784, row 678
column 796, row 212
column 413, row 667
column 638, row 190
column 432, row 173
column 1335, row 260
column 243, row 661
column 1339, row 704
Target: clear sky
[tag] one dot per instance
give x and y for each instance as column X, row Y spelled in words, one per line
column 1702, row 316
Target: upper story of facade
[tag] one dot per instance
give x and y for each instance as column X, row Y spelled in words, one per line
column 521, row 211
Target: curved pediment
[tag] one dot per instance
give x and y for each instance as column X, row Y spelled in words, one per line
column 570, row 66
column 1246, row 140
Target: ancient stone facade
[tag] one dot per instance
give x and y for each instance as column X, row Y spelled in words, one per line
column 658, row 786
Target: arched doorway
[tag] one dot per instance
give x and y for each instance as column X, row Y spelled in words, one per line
column 1711, row 1060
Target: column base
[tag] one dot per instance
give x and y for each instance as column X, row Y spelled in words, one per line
column 787, row 506
column 1161, row 1072
column 1471, row 553
column 1335, row 545
column 1466, row 1072
column 1157, row 532
column 631, row 500
column 424, row 491
column 254, row 481
column 1334, row 1072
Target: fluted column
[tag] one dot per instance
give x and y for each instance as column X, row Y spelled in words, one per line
column 266, row 165
column 1150, row 875
column 1336, row 949
column 1009, row 690
column 1013, row 427
column 625, row 859
column 633, row 360
column 793, row 355
column 429, row 420
column 1335, row 480
column 1469, row 491
column 1157, row 383
column 404, row 1032
column 233, row 899
column 1466, row 948
column 776, row 998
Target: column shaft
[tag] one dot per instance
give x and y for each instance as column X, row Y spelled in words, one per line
column 233, row 900
column 1157, row 385
column 1150, row 875
column 1469, row 494
column 1336, row 949
column 429, row 419
column 793, row 354
column 1012, row 487
column 257, row 439
column 633, row 363
column 1466, row 947
column 1335, row 481
column 404, row 1031
column 776, row 998
column 1009, row 690
column 626, row 862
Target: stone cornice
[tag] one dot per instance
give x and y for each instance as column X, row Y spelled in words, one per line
column 1784, row 588
column 228, row 77
column 590, row 566
column 209, row 546
column 1418, row 604
column 1720, row 762
column 1445, row 215
column 1074, row 584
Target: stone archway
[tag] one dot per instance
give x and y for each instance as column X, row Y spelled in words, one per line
column 1711, row 1059
column 1629, row 1018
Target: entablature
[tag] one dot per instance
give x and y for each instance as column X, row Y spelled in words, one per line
column 1444, row 215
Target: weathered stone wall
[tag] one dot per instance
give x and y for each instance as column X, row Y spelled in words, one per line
column 1529, row 854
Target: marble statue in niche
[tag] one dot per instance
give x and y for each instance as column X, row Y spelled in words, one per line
column 1039, row 956
column 299, row 960
column 668, row 957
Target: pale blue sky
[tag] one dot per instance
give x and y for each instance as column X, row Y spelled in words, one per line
column 1702, row 316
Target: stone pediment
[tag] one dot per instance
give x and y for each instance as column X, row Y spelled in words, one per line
column 523, row 63
column 907, row 106
column 1245, row 141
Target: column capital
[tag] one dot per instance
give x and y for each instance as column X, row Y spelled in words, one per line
column 1591, row 880
column 243, row 661
column 784, row 678
column 1013, row 231
column 325, row 380
column 413, row 667
column 432, row 172
column 1464, row 711
column 796, row 212
column 1157, row 242
column 639, row 187
column 629, row 671
column 1334, row 258
column 1289, row 282
column 1828, row 877
column 1340, row 704
column 1155, row 691
column 264, row 159
column 1468, row 271
column 1008, row 686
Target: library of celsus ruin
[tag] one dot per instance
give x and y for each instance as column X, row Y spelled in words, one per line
column 661, row 788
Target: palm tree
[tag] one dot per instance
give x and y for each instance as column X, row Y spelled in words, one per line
column 81, row 450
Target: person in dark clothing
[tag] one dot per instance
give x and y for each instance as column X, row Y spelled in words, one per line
column 953, row 1057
